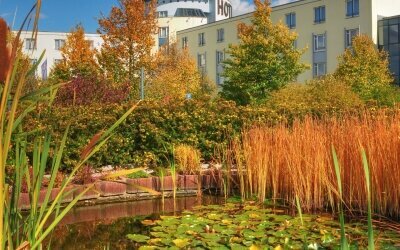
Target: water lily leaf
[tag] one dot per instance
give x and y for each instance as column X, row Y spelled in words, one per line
column 254, row 247
column 138, row 238
column 148, row 223
column 147, row 247
column 278, row 247
column 214, row 216
column 181, row 243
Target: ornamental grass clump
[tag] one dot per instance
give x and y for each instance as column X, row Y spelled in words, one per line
column 187, row 158
column 283, row 161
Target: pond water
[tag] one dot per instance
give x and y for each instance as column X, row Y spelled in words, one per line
column 105, row 226
column 184, row 223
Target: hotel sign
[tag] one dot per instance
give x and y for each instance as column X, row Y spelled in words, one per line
column 224, row 9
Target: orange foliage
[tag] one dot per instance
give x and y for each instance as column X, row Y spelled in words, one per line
column 128, row 38
column 174, row 75
column 4, row 52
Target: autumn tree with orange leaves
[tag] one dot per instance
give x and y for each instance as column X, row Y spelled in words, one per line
column 173, row 76
column 128, row 39
column 78, row 57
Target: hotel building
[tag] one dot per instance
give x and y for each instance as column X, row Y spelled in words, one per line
column 324, row 27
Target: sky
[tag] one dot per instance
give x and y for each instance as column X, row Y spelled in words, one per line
column 63, row 15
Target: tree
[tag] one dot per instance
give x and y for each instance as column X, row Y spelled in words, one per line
column 78, row 57
column 263, row 61
column 364, row 68
column 128, row 39
column 174, row 75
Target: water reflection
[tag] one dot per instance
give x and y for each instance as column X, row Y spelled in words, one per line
column 105, row 226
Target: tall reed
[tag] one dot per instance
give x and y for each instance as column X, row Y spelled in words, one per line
column 28, row 232
column 283, row 161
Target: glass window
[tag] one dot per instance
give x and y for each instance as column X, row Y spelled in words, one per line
column 91, row 43
column 350, row 34
column 163, row 32
column 319, row 69
column 220, row 35
column 291, row 20
column 319, row 14
column 184, row 42
column 220, row 57
column 30, row 44
column 201, row 60
column 394, row 50
column 162, row 14
column 59, row 43
column 352, row 8
column 202, row 40
column 393, row 34
column 319, row 42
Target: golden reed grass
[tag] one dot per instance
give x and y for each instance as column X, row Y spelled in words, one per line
column 283, row 162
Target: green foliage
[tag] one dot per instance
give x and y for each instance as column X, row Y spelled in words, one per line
column 137, row 175
column 365, row 69
column 265, row 59
column 145, row 138
column 324, row 96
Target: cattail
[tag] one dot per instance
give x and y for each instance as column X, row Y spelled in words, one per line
column 4, row 52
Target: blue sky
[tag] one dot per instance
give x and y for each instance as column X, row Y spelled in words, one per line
column 62, row 15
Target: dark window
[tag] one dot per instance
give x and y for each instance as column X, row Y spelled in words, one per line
column 319, row 14
column 352, row 8
column 202, row 39
column 291, row 20
column 393, row 34
column 350, row 34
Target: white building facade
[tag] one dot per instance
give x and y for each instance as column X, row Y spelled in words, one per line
column 50, row 43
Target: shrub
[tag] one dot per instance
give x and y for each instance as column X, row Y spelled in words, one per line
column 137, row 175
column 324, row 96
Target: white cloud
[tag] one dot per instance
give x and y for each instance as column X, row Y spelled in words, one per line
column 243, row 6
column 240, row 7
column 280, row 2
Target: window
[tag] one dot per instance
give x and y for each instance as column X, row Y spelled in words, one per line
column 184, row 42
column 91, row 43
column 57, row 61
column 163, row 32
column 291, row 20
column 202, row 40
column 33, row 61
column 319, row 69
column 393, row 34
column 30, row 44
column 319, row 14
column 220, row 35
column 59, row 43
column 352, row 8
column 162, row 14
column 350, row 34
column 319, row 42
column 201, row 60
column 220, row 57
column 220, row 79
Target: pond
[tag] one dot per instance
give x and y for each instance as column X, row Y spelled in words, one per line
column 208, row 223
column 106, row 225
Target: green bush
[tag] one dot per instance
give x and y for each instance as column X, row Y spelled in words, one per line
column 145, row 139
column 319, row 97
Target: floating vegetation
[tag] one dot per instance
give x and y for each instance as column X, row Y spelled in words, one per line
column 248, row 226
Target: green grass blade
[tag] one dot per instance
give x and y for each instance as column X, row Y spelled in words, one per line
column 343, row 240
column 371, row 245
